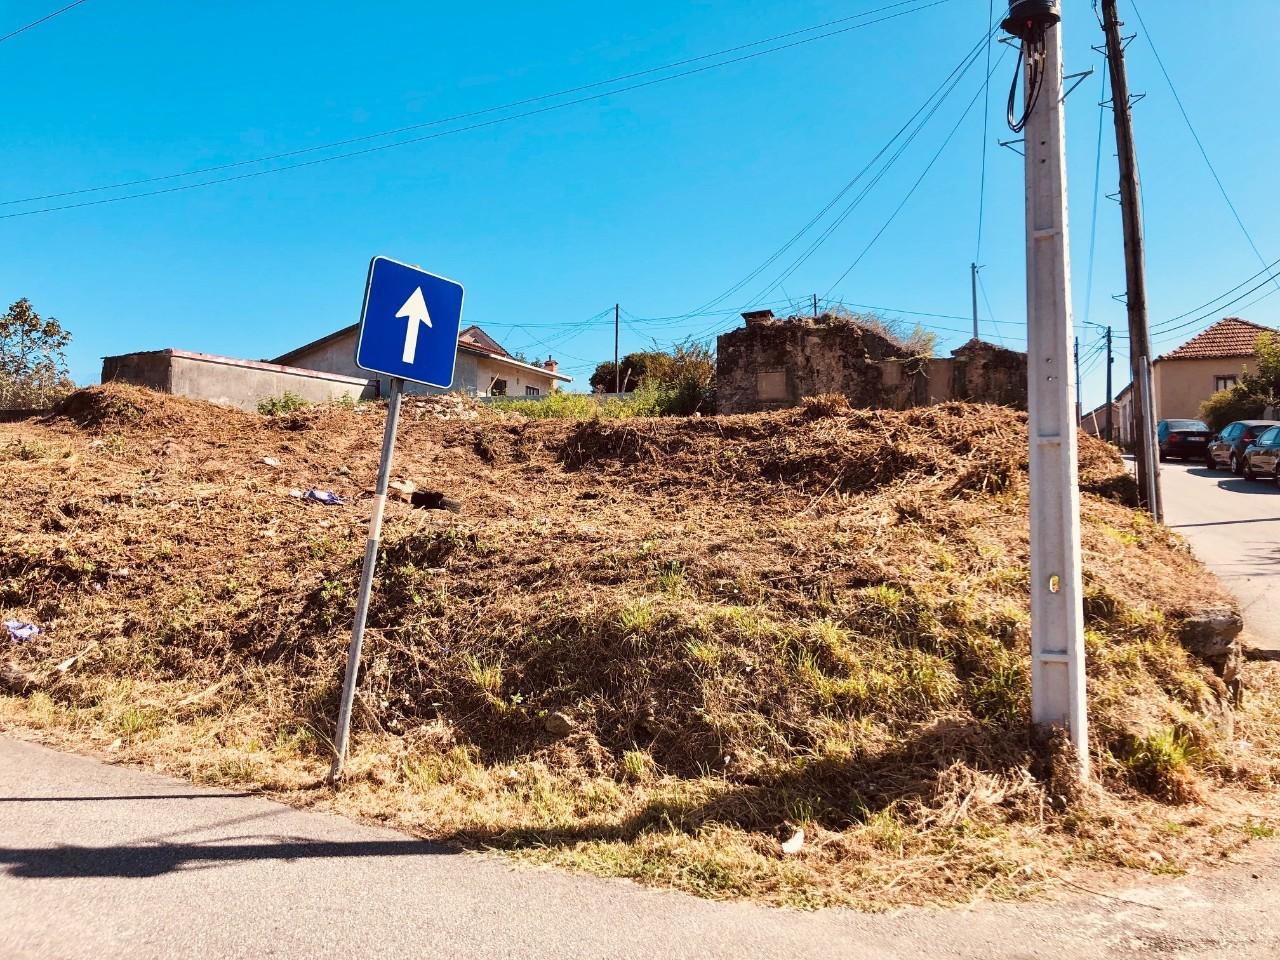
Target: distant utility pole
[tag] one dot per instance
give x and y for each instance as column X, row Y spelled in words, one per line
column 1110, row 402
column 617, row 368
column 815, row 306
column 1057, row 608
column 1079, row 402
column 973, row 289
column 1135, row 265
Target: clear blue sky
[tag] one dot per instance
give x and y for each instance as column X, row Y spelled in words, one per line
column 659, row 198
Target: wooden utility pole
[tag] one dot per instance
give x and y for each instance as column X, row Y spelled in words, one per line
column 973, row 290
column 1135, row 265
column 1057, row 593
column 1110, row 402
column 815, row 306
column 617, row 369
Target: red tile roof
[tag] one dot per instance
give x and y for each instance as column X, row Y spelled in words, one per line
column 1231, row 337
column 473, row 336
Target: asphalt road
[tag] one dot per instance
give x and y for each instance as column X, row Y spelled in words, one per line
column 1233, row 526
column 102, row 862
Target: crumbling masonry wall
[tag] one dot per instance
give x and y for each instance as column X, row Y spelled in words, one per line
column 771, row 364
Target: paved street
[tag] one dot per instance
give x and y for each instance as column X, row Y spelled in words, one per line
column 103, row 862
column 1233, row 525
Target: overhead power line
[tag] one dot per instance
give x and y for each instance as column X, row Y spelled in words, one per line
column 1270, row 278
column 932, row 106
column 1166, row 324
column 941, row 91
column 913, row 7
column 1196, row 137
column 35, row 23
column 1097, row 193
column 986, row 136
column 914, row 187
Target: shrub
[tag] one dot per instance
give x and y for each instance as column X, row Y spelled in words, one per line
column 285, row 403
column 1234, row 403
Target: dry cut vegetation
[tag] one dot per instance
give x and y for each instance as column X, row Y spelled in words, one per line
column 658, row 649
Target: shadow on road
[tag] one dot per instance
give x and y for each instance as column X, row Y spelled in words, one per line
column 157, row 860
column 1229, row 481
column 1223, row 523
column 144, row 796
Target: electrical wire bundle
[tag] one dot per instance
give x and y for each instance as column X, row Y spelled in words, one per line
column 1030, row 21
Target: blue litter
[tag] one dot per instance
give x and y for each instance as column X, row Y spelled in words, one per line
column 19, row 631
column 328, row 498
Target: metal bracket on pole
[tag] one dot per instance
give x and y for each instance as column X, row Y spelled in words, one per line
column 1079, row 78
column 1148, row 417
column 366, row 580
column 1012, row 145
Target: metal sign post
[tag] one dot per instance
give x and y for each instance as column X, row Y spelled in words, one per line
column 366, row 579
column 408, row 331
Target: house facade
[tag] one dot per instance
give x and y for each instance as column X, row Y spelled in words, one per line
column 1094, row 422
column 484, row 367
column 1212, row 360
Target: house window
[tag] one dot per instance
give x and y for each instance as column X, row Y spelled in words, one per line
column 1224, row 382
column 531, row 391
column 498, row 388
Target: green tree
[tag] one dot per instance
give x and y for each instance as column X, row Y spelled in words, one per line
column 635, row 367
column 679, row 382
column 33, row 360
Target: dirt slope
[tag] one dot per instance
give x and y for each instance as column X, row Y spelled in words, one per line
column 646, row 647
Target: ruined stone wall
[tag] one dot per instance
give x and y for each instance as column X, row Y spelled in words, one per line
column 771, row 364
column 985, row 373
column 774, row 364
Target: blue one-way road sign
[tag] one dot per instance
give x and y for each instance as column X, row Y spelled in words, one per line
column 409, row 325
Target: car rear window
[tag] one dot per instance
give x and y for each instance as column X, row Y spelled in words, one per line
column 1187, row 425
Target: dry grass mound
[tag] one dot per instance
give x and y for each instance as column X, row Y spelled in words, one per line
column 652, row 648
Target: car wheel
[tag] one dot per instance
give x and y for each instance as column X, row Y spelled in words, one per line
column 1248, row 471
column 1210, row 463
column 1236, row 465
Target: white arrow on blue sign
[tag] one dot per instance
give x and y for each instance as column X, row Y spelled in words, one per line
column 409, row 325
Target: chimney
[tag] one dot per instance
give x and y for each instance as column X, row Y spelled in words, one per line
column 756, row 317
column 551, row 365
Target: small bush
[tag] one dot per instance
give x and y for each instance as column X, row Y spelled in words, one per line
column 1227, row 406
column 285, row 403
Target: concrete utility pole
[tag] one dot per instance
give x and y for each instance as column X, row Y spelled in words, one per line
column 1110, row 402
column 617, row 368
column 1057, row 611
column 973, row 290
column 1135, row 265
